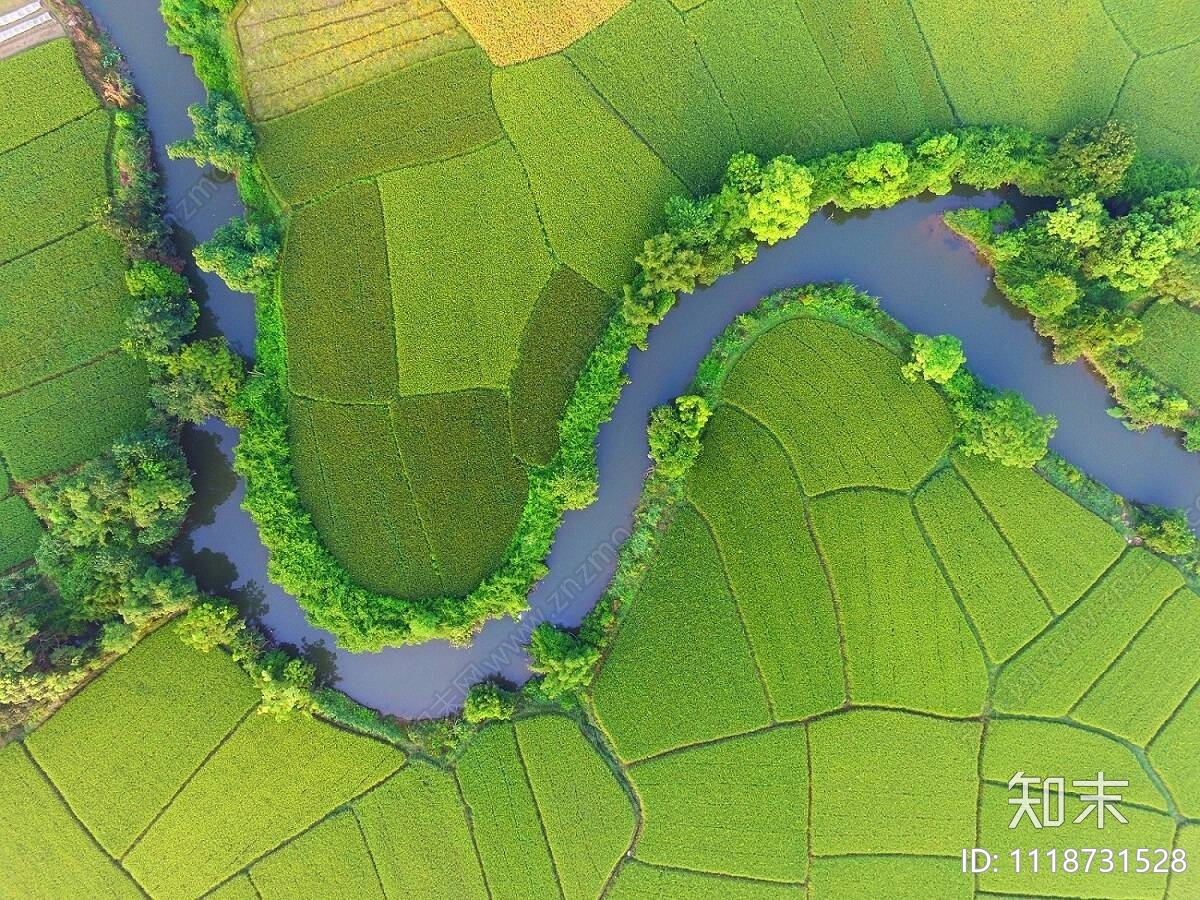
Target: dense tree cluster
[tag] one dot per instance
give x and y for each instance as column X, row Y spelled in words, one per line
column 935, row 359
column 245, row 254
column 224, row 137
column 674, row 434
column 488, row 702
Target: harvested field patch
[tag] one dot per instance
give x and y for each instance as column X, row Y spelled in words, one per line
column 859, row 757
column 1002, row 601
column 1056, row 749
column 889, row 589
column 508, row 832
column 63, row 306
column 371, row 524
column 416, row 829
column 42, row 89
column 771, row 562
column 1042, row 66
column 72, row 417
column 118, row 771
column 468, row 486
column 736, row 807
column 20, row 532
column 841, row 409
column 645, row 63
column 1051, row 675
column 680, row 670
column 1136, row 696
column 266, row 784
column 331, row 860
column 771, row 74
column 462, row 299
column 50, row 186
column 874, row 52
column 565, row 323
column 295, row 54
column 588, row 817
column 599, row 188
column 433, row 110
column 43, row 850
column 337, row 306
column 521, row 30
column 1168, row 347
column 1064, row 547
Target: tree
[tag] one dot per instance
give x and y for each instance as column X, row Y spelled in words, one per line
column 286, row 685
column 1004, row 427
column 488, row 702
column 935, row 359
column 564, row 661
column 202, row 379
column 1166, row 530
column 781, row 204
column 876, row 176
column 224, row 137
column 675, row 435
column 1092, row 157
column 209, row 625
column 245, row 254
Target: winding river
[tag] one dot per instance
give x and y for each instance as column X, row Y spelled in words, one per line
column 928, row 279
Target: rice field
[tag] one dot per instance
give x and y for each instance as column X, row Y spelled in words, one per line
column 860, row 424
column 20, row 532
column 1165, row 116
column 1171, row 334
column 164, row 736
column 736, row 807
column 330, row 860
column 62, row 96
column 638, row 881
column 298, row 54
column 907, row 878
column 1173, row 754
column 1155, row 27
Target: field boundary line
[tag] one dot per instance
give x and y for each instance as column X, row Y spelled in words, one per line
column 950, row 586
column 434, row 560
column 737, row 606
column 1167, row 50
column 70, row 811
column 987, row 513
column 837, row 88
column 175, row 796
column 620, row 117
column 810, row 857
column 979, row 778
column 737, row 131
column 1056, row 619
column 264, row 23
column 1119, row 29
column 1175, row 712
column 342, row 807
column 1158, row 611
column 537, row 811
column 937, row 69
column 507, row 138
column 95, row 360
column 1112, row 111
column 1139, row 753
column 868, row 855
column 826, row 570
column 744, row 879
column 370, row 853
column 50, row 243
column 33, row 140
column 470, row 819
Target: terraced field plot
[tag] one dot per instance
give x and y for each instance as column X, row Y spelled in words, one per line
column 66, row 389
column 521, row 154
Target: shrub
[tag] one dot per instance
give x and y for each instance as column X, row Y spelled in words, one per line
column 245, row 254
column 488, row 702
column 1166, row 530
column 675, row 435
column 223, row 137
column 209, row 625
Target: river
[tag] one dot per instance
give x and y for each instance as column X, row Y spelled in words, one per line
column 927, row 278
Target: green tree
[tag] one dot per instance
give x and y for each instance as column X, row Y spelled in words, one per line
column 224, row 137
column 488, row 702
column 675, row 435
column 781, row 204
column 1166, row 530
column 564, row 661
column 200, row 380
column 1004, row 427
column 935, row 359
column 876, row 176
column 244, row 254
column 286, row 685
column 1092, row 157
column 209, row 625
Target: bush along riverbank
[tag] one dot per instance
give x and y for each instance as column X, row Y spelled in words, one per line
column 100, row 579
column 706, row 237
column 999, row 426
column 1090, row 270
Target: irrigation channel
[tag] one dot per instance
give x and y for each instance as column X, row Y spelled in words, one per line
column 927, row 278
